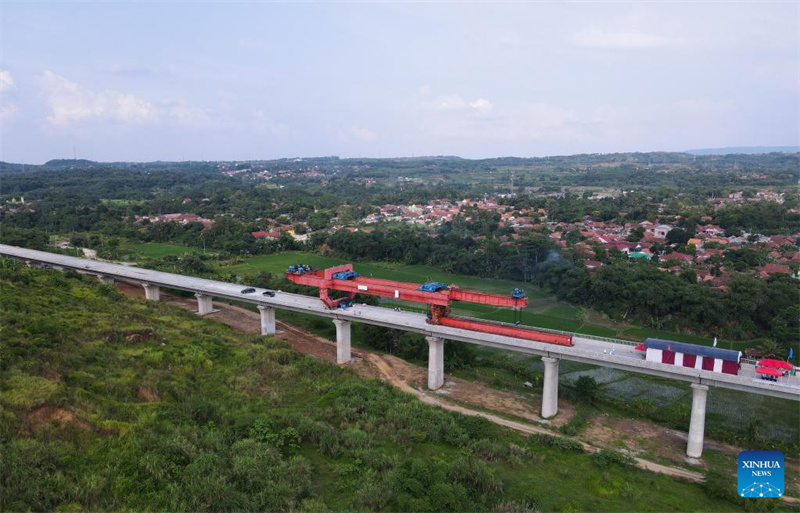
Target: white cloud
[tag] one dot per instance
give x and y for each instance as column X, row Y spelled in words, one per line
column 263, row 124
column 450, row 103
column 482, row 105
column 8, row 108
column 186, row 115
column 8, row 112
column 71, row 102
column 453, row 117
column 781, row 74
column 363, row 134
column 618, row 40
column 6, row 82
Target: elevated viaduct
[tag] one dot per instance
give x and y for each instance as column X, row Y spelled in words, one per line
column 612, row 353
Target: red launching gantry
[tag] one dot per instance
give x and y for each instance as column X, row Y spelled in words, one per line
column 435, row 294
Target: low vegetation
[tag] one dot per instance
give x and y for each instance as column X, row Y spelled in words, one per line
column 109, row 403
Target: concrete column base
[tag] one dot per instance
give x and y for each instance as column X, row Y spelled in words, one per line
column 151, row 292
column 697, row 424
column 105, row 280
column 342, row 341
column 435, row 362
column 550, row 389
column 267, row 319
column 204, row 304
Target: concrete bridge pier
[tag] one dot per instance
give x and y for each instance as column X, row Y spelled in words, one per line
column 435, row 362
column 151, row 292
column 697, row 423
column 342, row 341
column 550, row 390
column 267, row 319
column 204, row 304
column 105, row 280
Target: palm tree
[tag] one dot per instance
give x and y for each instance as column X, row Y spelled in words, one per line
column 769, row 347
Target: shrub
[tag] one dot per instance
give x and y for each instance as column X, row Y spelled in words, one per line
column 564, row 444
column 25, row 391
column 374, row 495
column 489, row 450
column 286, row 440
column 608, row 457
column 475, row 475
column 526, row 505
column 476, row 426
column 720, row 485
column 587, row 389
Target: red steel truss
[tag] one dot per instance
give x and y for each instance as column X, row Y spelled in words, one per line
column 439, row 301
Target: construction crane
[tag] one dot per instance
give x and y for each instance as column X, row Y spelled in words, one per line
column 438, row 296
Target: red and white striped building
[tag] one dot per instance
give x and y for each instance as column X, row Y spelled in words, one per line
column 693, row 356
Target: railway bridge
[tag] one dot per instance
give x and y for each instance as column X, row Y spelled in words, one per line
column 618, row 354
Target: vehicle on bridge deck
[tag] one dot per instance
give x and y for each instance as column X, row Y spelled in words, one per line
column 693, row 356
column 438, row 296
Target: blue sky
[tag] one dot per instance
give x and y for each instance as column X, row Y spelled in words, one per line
column 247, row 80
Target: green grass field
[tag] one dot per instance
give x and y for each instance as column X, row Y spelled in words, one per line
column 161, row 249
column 543, row 310
column 389, row 271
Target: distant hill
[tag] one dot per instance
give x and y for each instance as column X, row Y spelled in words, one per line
column 14, row 167
column 58, row 163
column 745, row 150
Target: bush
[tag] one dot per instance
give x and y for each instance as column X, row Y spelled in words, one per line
column 564, row 444
column 476, row 426
column 720, row 485
column 587, row 389
column 526, row 505
column 608, row 457
column 489, row 450
column 286, row 440
column 577, row 423
column 475, row 475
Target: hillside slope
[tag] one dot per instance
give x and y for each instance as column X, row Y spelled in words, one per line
column 109, row 403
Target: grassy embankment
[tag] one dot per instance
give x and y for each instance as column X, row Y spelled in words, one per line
column 109, row 403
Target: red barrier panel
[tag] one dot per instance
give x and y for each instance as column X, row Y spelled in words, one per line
column 508, row 331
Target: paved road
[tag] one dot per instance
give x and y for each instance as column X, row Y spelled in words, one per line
column 586, row 349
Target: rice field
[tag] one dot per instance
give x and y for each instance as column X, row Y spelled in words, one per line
column 780, row 419
column 160, row 249
column 636, row 388
column 602, row 375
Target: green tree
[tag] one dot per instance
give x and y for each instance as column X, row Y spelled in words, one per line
column 587, row 389
column 319, row 220
column 678, row 236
